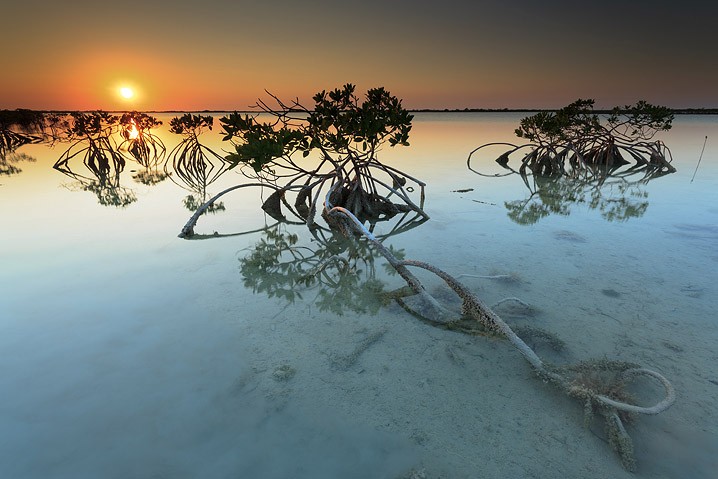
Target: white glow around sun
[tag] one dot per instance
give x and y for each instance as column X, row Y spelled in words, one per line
column 126, row 92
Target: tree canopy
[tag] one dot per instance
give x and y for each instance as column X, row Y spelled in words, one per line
column 345, row 132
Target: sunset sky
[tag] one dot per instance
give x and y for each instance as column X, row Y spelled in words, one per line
column 222, row 55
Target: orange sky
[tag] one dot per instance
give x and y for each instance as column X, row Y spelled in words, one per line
column 188, row 55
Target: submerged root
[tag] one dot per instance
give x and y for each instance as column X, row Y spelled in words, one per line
column 532, row 334
column 590, row 379
column 344, row 362
column 511, row 278
column 515, row 307
column 600, row 384
column 620, row 441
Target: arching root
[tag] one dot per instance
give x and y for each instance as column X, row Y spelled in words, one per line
column 474, row 308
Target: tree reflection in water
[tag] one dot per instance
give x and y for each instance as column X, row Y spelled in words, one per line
column 618, row 196
column 143, row 146
column 18, row 128
column 194, row 166
column 9, row 161
column 90, row 135
column 340, row 271
column 574, row 158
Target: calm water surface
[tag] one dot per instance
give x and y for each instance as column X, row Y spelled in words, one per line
column 128, row 352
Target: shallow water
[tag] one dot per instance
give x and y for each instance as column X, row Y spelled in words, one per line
column 128, row 352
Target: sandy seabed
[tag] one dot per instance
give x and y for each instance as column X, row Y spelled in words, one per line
column 213, row 381
column 128, row 353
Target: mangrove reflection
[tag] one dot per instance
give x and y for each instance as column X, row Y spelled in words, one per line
column 18, row 128
column 323, row 157
column 93, row 158
column 616, row 200
column 146, row 148
column 274, row 206
column 339, row 271
column 194, row 166
column 345, row 133
column 9, row 161
column 576, row 157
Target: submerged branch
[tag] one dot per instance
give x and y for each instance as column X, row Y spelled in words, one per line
column 475, row 309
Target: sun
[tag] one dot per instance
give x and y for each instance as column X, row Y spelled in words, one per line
column 126, row 92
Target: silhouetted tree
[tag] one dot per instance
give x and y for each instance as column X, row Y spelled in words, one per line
column 190, row 164
column 19, row 127
column 90, row 135
column 143, row 146
column 346, row 134
column 575, row 157
column 573, row 141
column 90, row 138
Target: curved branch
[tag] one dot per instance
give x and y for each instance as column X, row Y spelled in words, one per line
column 188, row 228
column 661, row 406
column 514, row 149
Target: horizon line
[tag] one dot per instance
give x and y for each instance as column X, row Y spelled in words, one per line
column 689, row 110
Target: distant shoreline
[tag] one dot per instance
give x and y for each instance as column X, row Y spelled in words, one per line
column 677, row 111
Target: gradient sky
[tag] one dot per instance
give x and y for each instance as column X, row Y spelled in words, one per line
column 222, row 55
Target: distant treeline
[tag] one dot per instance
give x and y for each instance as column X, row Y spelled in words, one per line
column 677, row 111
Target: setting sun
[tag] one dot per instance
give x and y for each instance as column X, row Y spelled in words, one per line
column 126, row 92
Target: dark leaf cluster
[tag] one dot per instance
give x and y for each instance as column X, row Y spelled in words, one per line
column 641, row 120
column 94, row 124
column 8, row 162
column 340, row 120
column 339, row 124
column 22, row 120
column 577, row 120
column 110, row 194
column 578, row 123
column 147, row 149
column 190, row 124
column 141, row 121
column 259, row 143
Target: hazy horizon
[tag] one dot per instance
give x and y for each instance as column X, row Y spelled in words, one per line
column 708, row 110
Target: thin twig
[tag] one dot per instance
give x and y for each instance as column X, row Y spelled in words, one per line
column 700, row 158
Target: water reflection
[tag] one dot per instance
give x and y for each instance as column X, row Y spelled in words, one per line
column 574, row 158
column 9, row 161
column 192, row 165
column 18, row 128
column 340, row 136
column 166, row 349
column 618, row 196
column 340, row 271
column 96, row 161
column 143, row 146
column 92, row 146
